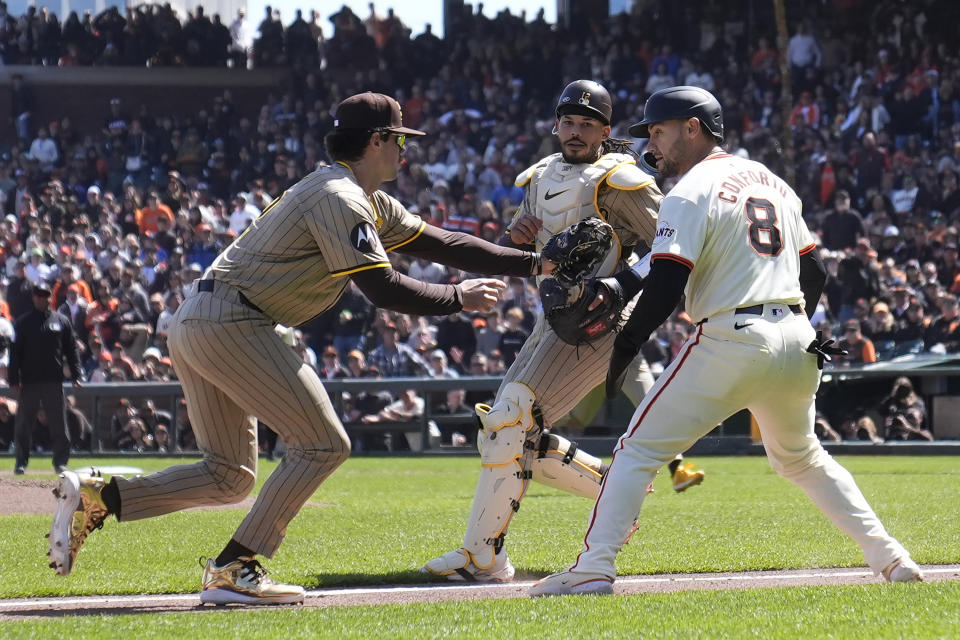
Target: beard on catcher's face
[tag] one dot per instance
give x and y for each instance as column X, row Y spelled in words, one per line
column 575, row 150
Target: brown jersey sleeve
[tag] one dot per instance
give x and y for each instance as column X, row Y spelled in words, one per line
column 632, row 212
column 344, row 227
column 470, row 253
column 390, row 289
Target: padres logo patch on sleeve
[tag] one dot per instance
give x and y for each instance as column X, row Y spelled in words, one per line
column 365, row 239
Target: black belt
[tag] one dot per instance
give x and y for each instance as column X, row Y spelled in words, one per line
column 206, row 286
column 757, row 309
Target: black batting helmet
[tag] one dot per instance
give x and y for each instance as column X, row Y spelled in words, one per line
column 680, row 103
column 586, row 98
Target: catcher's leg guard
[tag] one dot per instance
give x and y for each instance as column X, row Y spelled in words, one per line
column 504, row 428
column 561, row 464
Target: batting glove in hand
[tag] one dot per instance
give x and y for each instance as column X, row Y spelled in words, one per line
column 825, row 349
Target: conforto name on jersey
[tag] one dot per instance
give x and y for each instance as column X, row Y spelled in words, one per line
column 736, row 182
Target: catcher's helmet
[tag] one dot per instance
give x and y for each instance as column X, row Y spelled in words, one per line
column 586, row 98
column 680, row 103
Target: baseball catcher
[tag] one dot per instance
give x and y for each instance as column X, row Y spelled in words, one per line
column 586, row 208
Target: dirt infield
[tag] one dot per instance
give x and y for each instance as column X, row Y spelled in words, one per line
column 23, row 494
column 407, row 594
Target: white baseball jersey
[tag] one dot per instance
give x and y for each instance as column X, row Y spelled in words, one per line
column 746, row 248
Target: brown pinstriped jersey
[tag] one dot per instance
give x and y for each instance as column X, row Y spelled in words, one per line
column 294, row 261
column 633, row 213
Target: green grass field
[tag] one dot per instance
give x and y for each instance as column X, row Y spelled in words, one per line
column 386, row 516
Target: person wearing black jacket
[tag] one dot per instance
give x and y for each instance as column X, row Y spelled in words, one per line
column 44, row 340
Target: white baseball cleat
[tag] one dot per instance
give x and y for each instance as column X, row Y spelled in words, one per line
column 903, row 570
column 459, row 566
column 569, row 583
column 79, row 511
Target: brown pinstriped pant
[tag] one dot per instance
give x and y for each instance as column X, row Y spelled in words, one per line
column 234, row 366
column 561, row 375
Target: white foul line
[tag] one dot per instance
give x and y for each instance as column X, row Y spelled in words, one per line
column 509, row 586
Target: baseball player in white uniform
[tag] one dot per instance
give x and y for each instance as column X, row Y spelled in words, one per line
column 730, row 236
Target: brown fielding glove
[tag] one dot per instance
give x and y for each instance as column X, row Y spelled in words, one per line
column 573, row 320
column 578, row 250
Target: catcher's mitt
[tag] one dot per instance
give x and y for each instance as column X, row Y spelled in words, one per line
column 578, row 250
column 569, row 314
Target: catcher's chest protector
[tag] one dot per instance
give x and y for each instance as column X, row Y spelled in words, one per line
column 567, row 193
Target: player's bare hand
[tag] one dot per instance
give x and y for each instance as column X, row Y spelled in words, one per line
column 547, row 267
column 525, row 230
column 481, row 294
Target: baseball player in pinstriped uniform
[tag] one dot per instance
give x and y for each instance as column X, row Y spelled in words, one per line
column 292, row 263
column 730, row 236
column 592, row 176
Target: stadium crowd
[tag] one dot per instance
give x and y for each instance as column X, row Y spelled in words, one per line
column 121, row 219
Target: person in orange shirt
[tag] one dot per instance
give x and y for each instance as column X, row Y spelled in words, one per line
column 147, row 216
column 70, row 276
column 860, row 348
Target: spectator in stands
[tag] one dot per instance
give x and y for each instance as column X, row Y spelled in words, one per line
column 859, row 277
column 152, row 417
column 438, row 366
column 843, row 226
column 406, row 408
column 943, row 335
column 148, row 216
column 489, row 331
column 43, row 150
column 860, row 348
column 394, row 359
column 428, row 271
column 824, row 431
column 803, row 53
column 513, row 336
column 134, row 436
column 451, row 433
column 457, row 337
column 356, row 363
column 19, row 292
column 905, row 413
column 332, row 369
column 74, row 308
column 423, row 335
column 881, row 329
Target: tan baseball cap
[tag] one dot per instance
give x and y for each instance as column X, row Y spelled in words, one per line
column 372, row 111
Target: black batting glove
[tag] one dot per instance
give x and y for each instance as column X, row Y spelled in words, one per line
column 825, row 349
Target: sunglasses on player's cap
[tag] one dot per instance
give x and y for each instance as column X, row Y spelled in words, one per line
column 372, row 111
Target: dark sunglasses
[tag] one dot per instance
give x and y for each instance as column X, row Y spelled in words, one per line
column 401, row 138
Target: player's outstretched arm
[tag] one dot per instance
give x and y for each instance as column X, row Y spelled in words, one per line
column 473, row 254
column 389, row 289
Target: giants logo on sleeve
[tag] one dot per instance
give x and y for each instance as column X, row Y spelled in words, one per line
column 665, row 232
column 364, row 238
